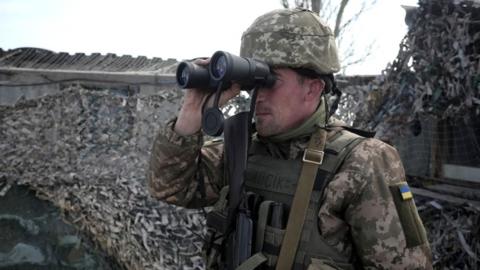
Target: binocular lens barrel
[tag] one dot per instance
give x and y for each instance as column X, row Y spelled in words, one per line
column 190, row 75
column 247, row 72
column 225, row 68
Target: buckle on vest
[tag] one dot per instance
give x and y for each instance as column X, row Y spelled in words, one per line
column 313, row 156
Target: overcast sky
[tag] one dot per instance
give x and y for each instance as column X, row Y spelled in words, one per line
column 179, row 29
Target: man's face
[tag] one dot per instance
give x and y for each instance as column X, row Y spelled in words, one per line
column 284, row 106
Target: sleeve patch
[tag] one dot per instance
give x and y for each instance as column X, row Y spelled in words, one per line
column 405, row 192
column 412, row 226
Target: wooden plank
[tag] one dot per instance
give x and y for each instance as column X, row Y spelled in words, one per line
column 130, row 78
column 449, row 181
column 443, row 197
column 461, row 172
column 463, row 192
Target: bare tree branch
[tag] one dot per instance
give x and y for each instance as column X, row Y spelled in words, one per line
column 351, row 56
column 338, row 20
column 316, row 6
column 355, row 17
column 328, row 11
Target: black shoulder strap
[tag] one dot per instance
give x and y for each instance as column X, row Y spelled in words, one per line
column 361, row 132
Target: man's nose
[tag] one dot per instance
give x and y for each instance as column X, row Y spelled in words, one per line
column 262, row 94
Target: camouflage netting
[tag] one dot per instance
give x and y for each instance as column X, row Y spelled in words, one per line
column 437, row 71
column 87, row 151
column 356, row 92
column 453, row 233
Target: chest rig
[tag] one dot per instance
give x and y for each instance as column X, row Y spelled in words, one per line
column 275, row 181
column 271, row 184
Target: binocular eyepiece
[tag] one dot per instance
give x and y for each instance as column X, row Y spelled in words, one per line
column 225, row 68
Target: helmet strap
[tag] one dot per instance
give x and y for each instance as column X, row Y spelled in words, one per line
column 334, row 91
column 338, row 94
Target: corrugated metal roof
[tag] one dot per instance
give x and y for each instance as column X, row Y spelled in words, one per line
column 37, row 58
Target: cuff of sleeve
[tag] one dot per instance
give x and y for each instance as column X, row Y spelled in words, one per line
column 180, row 140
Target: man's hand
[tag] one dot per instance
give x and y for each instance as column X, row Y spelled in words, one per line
column 189, row 119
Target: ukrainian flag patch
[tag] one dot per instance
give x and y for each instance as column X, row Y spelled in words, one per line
column 405, row 191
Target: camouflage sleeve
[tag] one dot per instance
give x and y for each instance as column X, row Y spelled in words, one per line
column 173, row 168
column 385, row 228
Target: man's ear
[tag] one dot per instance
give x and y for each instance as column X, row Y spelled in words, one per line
column 315, row 89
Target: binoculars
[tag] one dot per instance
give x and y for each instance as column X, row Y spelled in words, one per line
column 225, row 68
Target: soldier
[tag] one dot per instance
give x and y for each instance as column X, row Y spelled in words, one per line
column 363, row 216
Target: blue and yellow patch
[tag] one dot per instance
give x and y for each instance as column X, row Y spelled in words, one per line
column 405, row 191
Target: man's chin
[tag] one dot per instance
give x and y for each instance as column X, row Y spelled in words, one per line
column 263, row 130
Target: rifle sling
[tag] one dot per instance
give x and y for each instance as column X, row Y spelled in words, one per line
column 312, row 159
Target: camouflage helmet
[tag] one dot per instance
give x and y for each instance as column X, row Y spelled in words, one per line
column 295, row 38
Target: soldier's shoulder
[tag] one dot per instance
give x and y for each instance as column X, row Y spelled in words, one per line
column 375, row 159
column 372, row 149
column 342, row 135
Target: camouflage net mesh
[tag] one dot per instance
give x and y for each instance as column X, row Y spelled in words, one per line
column 427, row 102
column 87, row 152
column 453, row 233
column 436, row 72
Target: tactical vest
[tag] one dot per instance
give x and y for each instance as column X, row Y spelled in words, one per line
column 275, row 180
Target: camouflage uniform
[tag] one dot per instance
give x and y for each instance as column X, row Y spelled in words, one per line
column 359, row 215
